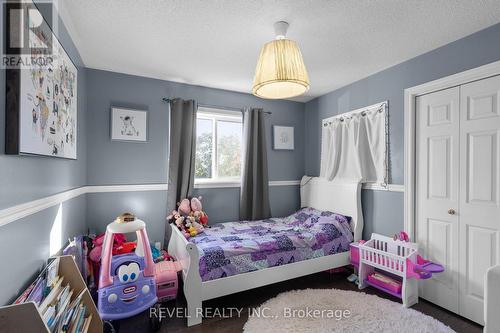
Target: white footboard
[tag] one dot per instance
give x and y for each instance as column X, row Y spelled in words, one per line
column 187, row 255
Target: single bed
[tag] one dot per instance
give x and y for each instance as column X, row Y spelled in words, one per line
column 232, row 248
column 238, row 256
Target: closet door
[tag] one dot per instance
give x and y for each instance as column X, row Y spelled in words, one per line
column 437, row 168
column 479, row 208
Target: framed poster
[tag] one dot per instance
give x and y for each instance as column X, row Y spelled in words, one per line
column 283, row 138
column 129, row 125
column 42, row 97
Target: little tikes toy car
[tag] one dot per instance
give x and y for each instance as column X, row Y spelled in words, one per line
column 127, row 281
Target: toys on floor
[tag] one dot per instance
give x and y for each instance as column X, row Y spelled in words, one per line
column 164, row 256
column 95, row 253
column 159, row 254
column 127, row 283
column 353, row 278
column 385, row 282
column 79, row 248
column 392, row 265
column 126, row 247
column 189, row 218
column 155, row 252
column 167, row 282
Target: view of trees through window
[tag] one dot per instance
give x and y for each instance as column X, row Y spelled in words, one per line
column 218, row 147
column 204, row 145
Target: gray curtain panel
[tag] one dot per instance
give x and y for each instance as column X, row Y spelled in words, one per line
column 254, row 199
column 182, row 151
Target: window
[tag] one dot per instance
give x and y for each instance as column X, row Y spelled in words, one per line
column 218, row 146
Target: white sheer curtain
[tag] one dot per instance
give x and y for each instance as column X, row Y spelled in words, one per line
column 354, row 146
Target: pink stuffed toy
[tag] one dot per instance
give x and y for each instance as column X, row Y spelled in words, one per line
column 198, row 212
column 184, row 207
column 95, row 253
column 196, row 204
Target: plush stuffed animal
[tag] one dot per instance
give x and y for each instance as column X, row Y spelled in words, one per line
column 198, row 227
column 189, row 218
column 95, row 253
column 184, row 207
column 198, row 212
column 173, row 215
column 196, row 204
column 204, row 219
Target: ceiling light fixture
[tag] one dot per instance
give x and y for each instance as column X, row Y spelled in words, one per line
column 280, row 71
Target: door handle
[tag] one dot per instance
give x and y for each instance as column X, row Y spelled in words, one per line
column 451, row 211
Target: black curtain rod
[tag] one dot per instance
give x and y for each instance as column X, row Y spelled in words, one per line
column 167, row 100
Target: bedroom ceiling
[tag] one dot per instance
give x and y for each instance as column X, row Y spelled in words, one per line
column 217, row 43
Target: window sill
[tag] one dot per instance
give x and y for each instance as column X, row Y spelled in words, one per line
column 237, row 183
column 216, row 183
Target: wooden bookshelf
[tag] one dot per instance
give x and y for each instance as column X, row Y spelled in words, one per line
column 25, row 317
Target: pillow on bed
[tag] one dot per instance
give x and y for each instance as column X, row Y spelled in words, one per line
column 308, row 212
column 309, row 217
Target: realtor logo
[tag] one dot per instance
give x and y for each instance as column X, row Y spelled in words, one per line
column 27, row 36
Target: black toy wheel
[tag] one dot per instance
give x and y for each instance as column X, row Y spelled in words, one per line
column 110, row 327
column 155, row 321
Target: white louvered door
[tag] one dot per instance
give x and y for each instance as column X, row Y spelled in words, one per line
column 458, row 191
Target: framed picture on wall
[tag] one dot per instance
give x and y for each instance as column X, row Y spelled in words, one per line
column 41, row 94
column 129, row 124
column 283, row 138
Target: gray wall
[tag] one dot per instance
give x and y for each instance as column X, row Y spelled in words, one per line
column 36, row 177
column 25, row 243
column 112, row 162
column 384, row 210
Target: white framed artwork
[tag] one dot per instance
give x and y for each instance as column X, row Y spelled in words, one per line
column 283, row 138
column 129, row 125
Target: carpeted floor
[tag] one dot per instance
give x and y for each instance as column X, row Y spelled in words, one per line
column 340, row 311
column 254, row 298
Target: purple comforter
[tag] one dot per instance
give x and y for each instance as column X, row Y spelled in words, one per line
column 238, row 247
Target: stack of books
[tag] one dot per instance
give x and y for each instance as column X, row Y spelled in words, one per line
column 61, row 309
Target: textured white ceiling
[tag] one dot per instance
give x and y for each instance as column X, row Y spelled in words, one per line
column 216, row 43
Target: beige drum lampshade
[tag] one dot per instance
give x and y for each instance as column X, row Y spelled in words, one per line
column 280, row 71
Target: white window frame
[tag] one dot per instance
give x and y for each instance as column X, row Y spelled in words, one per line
column 218, row 115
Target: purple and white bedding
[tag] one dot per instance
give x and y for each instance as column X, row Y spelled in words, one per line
column 238, row 247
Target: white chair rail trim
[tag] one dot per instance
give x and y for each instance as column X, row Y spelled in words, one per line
column 389, row 187
column 20, row 211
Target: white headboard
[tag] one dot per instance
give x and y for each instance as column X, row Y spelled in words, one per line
column 338, row 197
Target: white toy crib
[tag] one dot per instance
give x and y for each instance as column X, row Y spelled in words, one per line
column 392, row 256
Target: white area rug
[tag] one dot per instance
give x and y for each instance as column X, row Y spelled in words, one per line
column 332, row 310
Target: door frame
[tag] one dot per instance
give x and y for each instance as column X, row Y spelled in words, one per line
column 410, row 95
